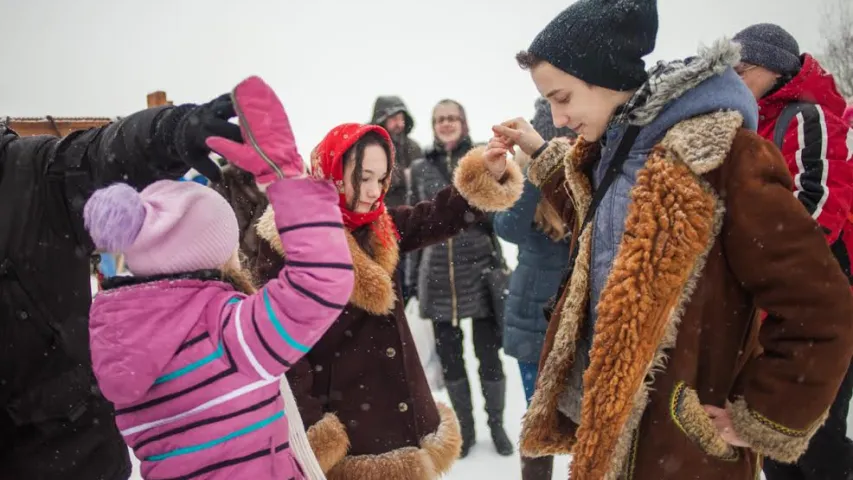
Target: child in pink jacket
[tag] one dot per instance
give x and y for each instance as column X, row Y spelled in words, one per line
column 189, row 354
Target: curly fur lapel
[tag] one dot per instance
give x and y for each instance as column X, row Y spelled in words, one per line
column 374, row 290
column 671, row 225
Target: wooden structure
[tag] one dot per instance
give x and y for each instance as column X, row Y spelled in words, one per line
column 62, row 126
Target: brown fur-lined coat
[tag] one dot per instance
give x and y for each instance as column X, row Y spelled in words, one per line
column 712, row 234
column 361, row 390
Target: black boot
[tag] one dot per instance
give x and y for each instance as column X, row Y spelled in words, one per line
column 460, row 397
column 495, row 395
column 537, row 468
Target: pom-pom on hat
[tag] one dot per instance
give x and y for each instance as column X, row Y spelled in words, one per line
column 170, row 227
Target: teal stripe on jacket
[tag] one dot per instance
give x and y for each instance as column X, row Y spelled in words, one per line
column 280, row 328
column 204, row 446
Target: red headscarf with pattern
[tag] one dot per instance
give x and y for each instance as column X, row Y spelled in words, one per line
column 327, row 162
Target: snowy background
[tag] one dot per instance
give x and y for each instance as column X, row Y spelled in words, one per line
column 328, row 59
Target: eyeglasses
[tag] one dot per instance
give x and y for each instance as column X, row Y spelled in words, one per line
column 742, row 68
column 447, row 118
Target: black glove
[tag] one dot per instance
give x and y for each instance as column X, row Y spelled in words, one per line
column 199, row 123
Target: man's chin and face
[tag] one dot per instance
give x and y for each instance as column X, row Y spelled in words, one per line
column 396, row 125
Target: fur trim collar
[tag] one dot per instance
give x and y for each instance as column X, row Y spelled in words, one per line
column 374, row 290
column 670, row 80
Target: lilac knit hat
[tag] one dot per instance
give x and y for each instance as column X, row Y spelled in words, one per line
column 170, row 227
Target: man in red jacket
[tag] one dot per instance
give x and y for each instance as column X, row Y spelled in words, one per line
column 800, row 110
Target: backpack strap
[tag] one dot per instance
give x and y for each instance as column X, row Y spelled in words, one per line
column 788, row 113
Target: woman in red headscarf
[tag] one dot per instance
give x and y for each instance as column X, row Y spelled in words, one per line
column 361, row 389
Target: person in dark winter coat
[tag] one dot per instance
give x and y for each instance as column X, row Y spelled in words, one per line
column 361, row 390
column 451, row 285
column 655, row 364
column 543, row 251
column 54, row 423
column 391, row 113
column 818, row 147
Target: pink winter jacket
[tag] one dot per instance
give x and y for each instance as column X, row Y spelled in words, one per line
column 193, row 365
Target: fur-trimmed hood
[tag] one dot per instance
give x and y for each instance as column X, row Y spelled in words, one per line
column 682, row 89
column 679, row 79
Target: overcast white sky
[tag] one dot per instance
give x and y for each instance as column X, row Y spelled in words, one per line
column 327, row 59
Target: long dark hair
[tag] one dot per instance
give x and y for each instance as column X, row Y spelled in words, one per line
column 356, row 153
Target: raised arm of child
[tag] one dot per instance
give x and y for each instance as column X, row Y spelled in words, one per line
column 277, row 325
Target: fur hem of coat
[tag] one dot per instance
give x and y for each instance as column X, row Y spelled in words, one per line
column 329, row 441
column 437, row 453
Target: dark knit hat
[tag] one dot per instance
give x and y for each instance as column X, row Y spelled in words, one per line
column 543, row 122
column 601, row 42
column 769, row 46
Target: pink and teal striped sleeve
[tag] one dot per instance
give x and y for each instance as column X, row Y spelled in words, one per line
column 272, row 329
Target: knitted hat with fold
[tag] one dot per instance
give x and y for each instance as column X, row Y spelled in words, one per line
column 601, row 42
column 170, row 227
column 769, row 46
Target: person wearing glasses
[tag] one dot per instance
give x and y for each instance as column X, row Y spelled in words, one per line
column 451, row 285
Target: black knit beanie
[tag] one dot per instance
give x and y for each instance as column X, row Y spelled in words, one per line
column 601, row 42
column 769, row 46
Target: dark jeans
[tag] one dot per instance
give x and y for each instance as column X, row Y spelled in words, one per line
column 487, row 343
column 529, row 372
column 830, row 452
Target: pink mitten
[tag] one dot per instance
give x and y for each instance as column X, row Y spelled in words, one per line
column 269, row 149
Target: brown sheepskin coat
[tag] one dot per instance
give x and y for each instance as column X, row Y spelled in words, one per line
column 712, row 235
column 361, row 390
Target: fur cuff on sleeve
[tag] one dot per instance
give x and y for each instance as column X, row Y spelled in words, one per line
column 768, row 437
column 329, row 441
column 480, row 189
column 548, row 162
